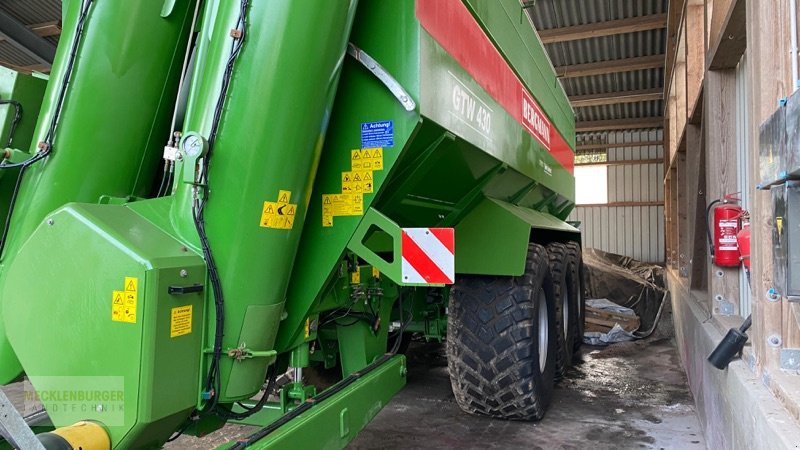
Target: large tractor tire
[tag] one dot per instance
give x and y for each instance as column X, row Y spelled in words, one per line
column 574, row 253
column 501, row 340
column 564, row 271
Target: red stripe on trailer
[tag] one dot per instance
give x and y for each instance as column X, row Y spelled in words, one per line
column 457, row 31
column 446, row 236
column 422, row 263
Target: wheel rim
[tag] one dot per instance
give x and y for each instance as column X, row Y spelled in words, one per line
column 544, row 327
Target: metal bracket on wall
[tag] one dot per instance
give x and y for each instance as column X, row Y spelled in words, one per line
column 387, row 79
column 790, row 359
column 726, row 308
column 13, row 427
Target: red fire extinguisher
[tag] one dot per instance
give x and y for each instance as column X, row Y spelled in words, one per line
column 743, row 240
column 727, row 224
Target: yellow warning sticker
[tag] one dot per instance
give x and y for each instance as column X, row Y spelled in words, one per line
column 131, row 284
column 180, row 323
column 279, row 215
column 123, row 306
column 376, row 273
column 124, row 303
column 307, row 328
column 341, row 205
column 366, row 159
column 357, row 181
column 355, row 277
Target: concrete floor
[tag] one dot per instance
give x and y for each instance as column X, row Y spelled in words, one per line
column 625, row 396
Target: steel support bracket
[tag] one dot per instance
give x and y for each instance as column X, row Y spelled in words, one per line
column 790, row 358
column 385, row 77
column 374, row 219
column 13, row 427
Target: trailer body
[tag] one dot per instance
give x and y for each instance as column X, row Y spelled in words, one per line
column 321, row 143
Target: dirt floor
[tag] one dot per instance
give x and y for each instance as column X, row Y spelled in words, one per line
column 625, row 396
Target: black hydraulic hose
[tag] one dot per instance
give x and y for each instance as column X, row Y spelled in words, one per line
column 198, row 209
column 310, row 403
column 17, row 117
column 272, row 376
column 47, row 146
column 330, row 392
column 646, row 334
column 708, row 228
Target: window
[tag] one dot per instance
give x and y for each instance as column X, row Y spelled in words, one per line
column 591, row 157
column 591, row 184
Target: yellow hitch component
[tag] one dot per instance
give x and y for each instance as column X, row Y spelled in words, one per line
column 85, row 436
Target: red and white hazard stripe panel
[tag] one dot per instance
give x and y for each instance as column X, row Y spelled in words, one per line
column 428, row 256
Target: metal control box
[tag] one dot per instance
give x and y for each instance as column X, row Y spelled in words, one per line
column 786, row 239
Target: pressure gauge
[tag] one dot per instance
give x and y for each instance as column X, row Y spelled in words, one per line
column 194, row 145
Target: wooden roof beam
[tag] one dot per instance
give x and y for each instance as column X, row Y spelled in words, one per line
column 612, row 66
column 45, row 29
column 615, row 98
column 619, row 124
column 600, row 29
column 586, row 147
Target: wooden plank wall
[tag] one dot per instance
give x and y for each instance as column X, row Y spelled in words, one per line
column 770, row 80
column 721, row 180
column 705, row 99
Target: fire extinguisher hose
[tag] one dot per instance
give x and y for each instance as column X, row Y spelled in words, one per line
column 708, row 228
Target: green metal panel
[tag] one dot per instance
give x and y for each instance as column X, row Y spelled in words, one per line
column 439, row 168
column 113, row 123
column 269, row 140
column 506, row 23
column 336, row 420
column 361, row 98
column 507, row 140
column 490, row 241
column 536, row 219
column 493, row 238
column 29, row 91
column 71, row 301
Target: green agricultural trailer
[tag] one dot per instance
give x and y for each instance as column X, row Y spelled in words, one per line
column 225, row 201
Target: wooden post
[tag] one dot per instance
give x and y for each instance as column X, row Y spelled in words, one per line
column 769, row 80
column 720, row 121
column 696, row 202
column 683, row 208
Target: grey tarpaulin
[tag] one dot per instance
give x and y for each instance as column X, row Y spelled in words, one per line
column 627, row 282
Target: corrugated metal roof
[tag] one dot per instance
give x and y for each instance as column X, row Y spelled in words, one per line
column 13, row 56
column 553, row 14
column 605, row 48
column 548, row 14
column 621, row 111
column 28, row 13
column 614, row 82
